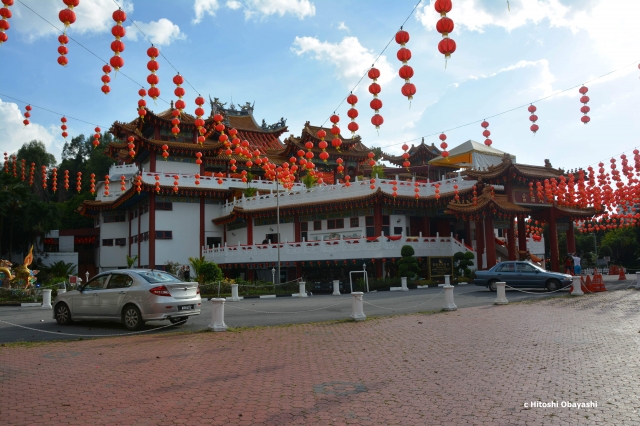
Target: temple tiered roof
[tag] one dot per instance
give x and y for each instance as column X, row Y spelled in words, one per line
column 418, row 155
column 507, row 170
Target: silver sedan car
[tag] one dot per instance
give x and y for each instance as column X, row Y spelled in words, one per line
column 131, row 296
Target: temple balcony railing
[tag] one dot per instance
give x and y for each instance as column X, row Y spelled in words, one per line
column 356, row 248
column 359, row 188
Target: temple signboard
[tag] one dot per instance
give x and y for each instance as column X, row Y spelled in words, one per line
column 439, row 266
column 526, row 197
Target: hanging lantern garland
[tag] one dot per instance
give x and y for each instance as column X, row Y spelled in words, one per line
column 123, row 186
column 142, row 104
column 175, row 182
column 199, row 159
column 533, row 118
column 175, row 121
column 352, row 114
column 96, row 138
column 585, row 109
column 131, row 146
column 22, row 168
column 165, row 151
column 44, row 177
column 336, row 141
column 27, row 114
column 54, row 180
column 405, row 156
column 64, row 127
column 117, row 45
column 444, row 26
column 444, row 145
column 66, row 180
column 92, row 184
column 179, row 92
column 376, row 104
column 405, row 72
column 199, row 122
column 63, row 39
column 486, row 133
column 106, row 69
column 79, row 182
column 5, row 13
column 157, row 183
column 197, row 181
column 153, row 78
column 106, row 185
column 32, row 172
column 138, row 183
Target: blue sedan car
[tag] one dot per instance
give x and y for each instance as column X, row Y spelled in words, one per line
column 522, row 274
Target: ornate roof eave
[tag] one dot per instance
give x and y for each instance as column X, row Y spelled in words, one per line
column 430, row 150
column 507, row 166
column 487, row 202
column 157, row 145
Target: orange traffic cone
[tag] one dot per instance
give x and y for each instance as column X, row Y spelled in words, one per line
column 622, row 276
column 587, row 285
column 598, row 283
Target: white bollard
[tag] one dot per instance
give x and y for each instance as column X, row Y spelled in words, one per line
column 302, row 287
column 403, row 280
column 46, row 299
column 234, row 293
column 336, row 288
column 637, row 280
column 449, row 304
column 357, row 312
column 501, row 298
column 217, row 316
column 576, row 287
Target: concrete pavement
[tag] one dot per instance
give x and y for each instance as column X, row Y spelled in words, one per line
column 480, row 365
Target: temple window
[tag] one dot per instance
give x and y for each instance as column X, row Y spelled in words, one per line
column 355, row 222
column 317, row 225
column 335, row 223
column 107, row 242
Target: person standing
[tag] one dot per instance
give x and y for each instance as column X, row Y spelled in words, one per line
column 577, row 269
column 187, row 273
column 568, row 264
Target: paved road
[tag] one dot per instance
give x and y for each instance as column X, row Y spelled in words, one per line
column 521, row 364
column 265, row 312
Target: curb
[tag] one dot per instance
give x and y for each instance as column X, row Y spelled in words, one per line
column 268, row 296
column 23, row 305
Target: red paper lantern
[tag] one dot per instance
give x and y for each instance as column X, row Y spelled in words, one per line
column 406, row 72
column 5, row 13
column 64, row 127
column 486, row 133
column 27, row 113
column 444, row 26
column 68, row 16
column 585, row 109
column 444, row 145
column 96, row 137
column 352, row 113
column 198, row 158
column 131, row 145
column 123, row 186
column 533, row 118
column 119, row 16
column 376, row 104
column 153, row 78
column 79, row 182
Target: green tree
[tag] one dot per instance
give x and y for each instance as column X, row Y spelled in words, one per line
column 623, row 243
column 377, row 171
column 205, row 271
column 131, row 260
column 309, row 180
column 461, row 263
column 408, row 265
column 35, row 152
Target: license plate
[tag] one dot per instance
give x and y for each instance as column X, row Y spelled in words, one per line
column 185, row 307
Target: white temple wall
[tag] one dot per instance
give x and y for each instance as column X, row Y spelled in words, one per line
column 184, row 223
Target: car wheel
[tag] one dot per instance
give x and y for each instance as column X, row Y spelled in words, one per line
column 63, row 314
column 179, row 320
column 553, row 285
column 492, row 285
column 132, row 318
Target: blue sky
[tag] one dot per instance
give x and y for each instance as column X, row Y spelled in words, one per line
column 298, row 59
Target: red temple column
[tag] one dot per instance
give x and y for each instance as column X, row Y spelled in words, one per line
column 130, row 214
column 553, row 240
column 427, row 227
column 152, row 162
column 297, row 230
column 152, row 230
column 479, row 242
column 490, row 241
column 571, row 238
column 444, row 228
column 467, row 232
column 522, row 235
column 250, row 231
column 511, row 240
column 138, row 237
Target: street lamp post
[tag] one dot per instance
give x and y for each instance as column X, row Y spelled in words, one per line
column 278, row 222
column 273, row 275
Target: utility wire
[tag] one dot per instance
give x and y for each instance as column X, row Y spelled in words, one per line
column 374, row 62
column 161, row 54
column 53, row 112
column 80, row 44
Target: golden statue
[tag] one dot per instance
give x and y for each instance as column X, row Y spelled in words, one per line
column 22, row 272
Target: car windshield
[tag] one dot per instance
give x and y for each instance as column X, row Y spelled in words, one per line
column 158, row 277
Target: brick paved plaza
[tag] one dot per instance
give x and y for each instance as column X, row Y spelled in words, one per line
column 473, row 366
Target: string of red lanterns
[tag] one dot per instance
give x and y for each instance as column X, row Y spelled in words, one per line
column 64, row 127
column 96, row 137
column 486, row 133
column 153, row 66
column 533, row 118
column 444, row 26
column 5, row 13
column 118, row 31
column 27, row 115
column 443, row 145
column 405, row 72
column 585, row 109
column 376, row 103
column 67, row 17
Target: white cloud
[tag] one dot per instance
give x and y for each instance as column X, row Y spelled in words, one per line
column 544, row 88
column 161, row 32
column 91, row 17
column 14, row 133
column 234, row 4
column 350, row 58
column 343, row 26
column 203, row 7
column 299, row 8
column 603, row 23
